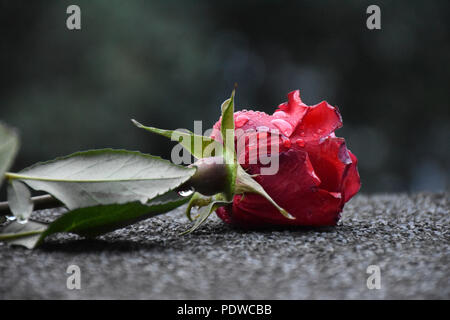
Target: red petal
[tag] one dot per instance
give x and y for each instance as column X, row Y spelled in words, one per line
column 254, row 120
column 320, row 208
column 295, row 188
column 352, row 182
column 317, row 173
column 291, row 111
column 250, row 147
column 331, row 160
column 251, row 133
column 320, row 121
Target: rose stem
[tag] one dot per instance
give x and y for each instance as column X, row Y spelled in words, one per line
column 40, row 202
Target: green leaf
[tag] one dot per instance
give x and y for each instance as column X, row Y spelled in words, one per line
column 245, row 183
column 229, row 153
column 19, row 199
column 102, row 177
column 91, row 221
column 25, row 235
column 205, row 212
column 198, row 146
column 9, row 145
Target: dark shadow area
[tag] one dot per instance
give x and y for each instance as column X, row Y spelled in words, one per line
column 95, row 245
column 118, row 241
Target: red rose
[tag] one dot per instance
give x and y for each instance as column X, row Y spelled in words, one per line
column 317, row 174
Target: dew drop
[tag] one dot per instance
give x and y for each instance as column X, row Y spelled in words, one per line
column 186, row 193
column 322, row 140
column 336, row 195
column 241, row 120
column 300, row 142
column 319, row 131
column 22, row 220
column 263, row 129
column 280, row 114
column 284, row 126
column 343, row 155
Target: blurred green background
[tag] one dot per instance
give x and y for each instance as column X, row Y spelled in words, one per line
column 168, row 63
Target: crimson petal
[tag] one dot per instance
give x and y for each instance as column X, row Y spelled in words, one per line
column 295, row 187
column 331, row 160
column 291, row 112
column 319, row 122
column 352, row 181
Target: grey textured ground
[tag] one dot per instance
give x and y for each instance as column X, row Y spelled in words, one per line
column 407, row 236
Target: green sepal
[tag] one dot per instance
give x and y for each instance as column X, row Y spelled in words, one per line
column 215, row 202
column 198, row 146
column 197, row 200
column 229, row 152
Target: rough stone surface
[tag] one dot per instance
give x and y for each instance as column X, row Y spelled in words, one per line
column 405, row 235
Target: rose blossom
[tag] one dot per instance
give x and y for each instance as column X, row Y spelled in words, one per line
column 317, row 174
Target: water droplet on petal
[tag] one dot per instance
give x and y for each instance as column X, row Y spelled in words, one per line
column 337, row 195
column 241, row 120
column 319, row 131
column 186, row 193
column 343, row 155
column 300, row 142
column 322, row 140
column 22, row 220
column 280, row 114
column 284, row 126
column 263, row 129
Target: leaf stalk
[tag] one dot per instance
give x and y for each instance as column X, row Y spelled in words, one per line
column 40, row 203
